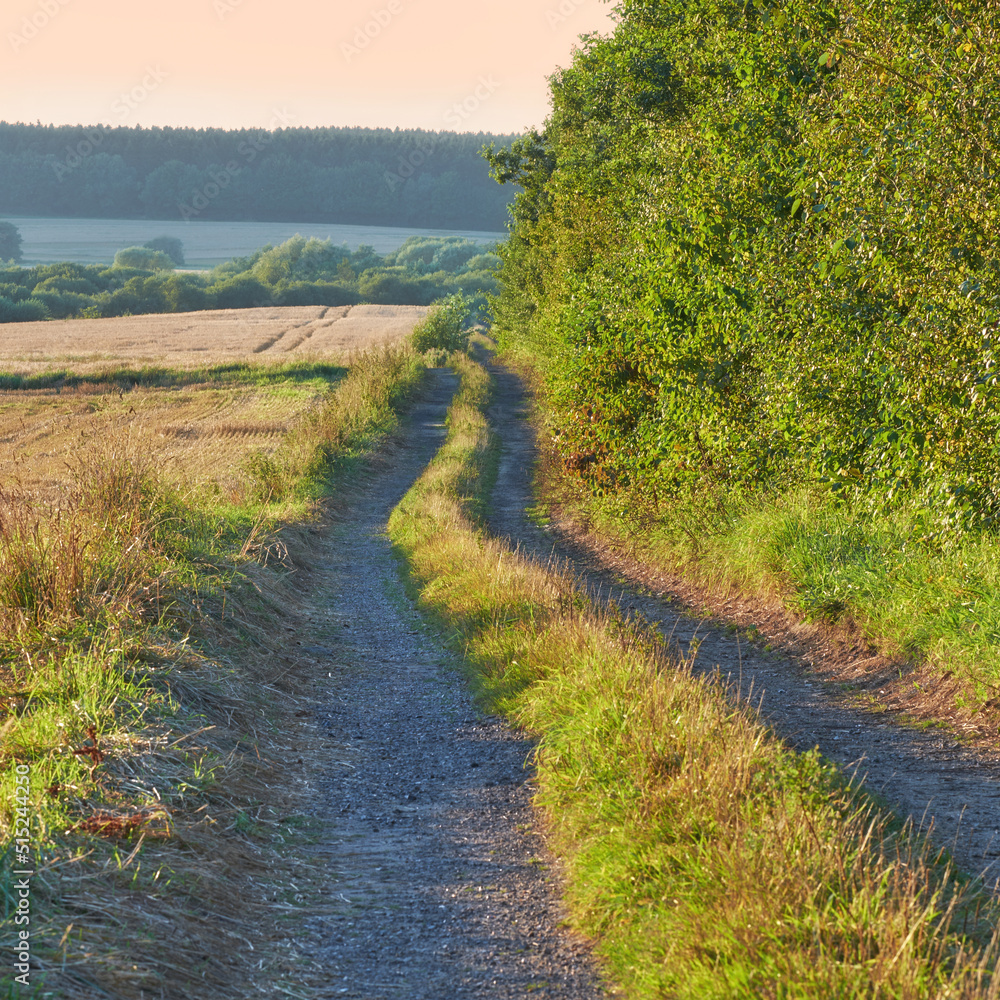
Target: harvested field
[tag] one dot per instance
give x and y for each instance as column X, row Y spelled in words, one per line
column 248, row 384
column 197, row 434
column 200, row 338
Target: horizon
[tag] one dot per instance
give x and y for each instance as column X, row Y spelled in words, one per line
column 245, row 128
column 245, row 64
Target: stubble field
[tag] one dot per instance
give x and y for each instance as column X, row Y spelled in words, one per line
column 153, row 471
column 200, row 391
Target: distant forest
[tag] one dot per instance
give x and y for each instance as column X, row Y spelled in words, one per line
column 357, row 176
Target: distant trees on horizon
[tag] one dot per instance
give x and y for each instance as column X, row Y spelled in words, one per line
column 358, row 176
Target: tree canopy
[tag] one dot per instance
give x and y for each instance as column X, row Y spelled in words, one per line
column 343, row 175
column 758, row 245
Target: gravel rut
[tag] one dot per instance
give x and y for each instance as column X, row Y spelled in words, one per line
column 440, row 884
column 926, row 774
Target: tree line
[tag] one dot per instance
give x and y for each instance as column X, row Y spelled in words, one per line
column 341, row 175
column 757, row 248
column 298, row 272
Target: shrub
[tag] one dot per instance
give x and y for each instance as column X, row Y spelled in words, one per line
column 169, row 245
column 62, row 283
column 22, row 312
column 390, row 289
column 446, row 328
column 314, row 293
column 239, row 292
column 144, row 258
column 62, row 305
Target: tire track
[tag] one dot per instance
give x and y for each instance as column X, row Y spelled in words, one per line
column 940, row 784
column 439, row 885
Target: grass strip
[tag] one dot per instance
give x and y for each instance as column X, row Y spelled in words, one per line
column 930, row 603
column 705, row 857
column 145, row 697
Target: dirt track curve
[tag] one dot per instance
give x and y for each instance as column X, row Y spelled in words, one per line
column 925, row 774
column 440, row 886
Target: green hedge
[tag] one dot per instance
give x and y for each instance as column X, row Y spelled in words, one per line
column 756, row 247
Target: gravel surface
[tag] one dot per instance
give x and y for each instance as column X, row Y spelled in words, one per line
column 441, row 884
column 926, row 774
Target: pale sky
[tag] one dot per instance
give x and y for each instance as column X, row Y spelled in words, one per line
column 460, row 65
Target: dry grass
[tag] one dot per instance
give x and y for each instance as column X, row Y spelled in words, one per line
column 180, row 340
column 145, row 674
column 198, row 433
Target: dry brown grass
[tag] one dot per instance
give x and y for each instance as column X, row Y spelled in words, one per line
column 145, row 669
column 200, row 338
column 197, row 434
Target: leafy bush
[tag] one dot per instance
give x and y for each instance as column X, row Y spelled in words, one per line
column 22, row 312
column 446, row 328
column 391, row 289
column 62, row 305
column 297, row 272
column 482, row 262
column 315, row 293
column 60, row 283
column 144, row 258
column 169, row 245
column 765, row 253
column 239, row 292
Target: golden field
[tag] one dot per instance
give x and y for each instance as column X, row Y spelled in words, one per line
column 197, row 391
column 199, row 338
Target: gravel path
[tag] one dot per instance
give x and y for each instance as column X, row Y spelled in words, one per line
column 924, row 773
column 442, row 886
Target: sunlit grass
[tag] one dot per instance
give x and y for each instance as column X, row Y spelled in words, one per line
column 705, row 857
column 137, row 681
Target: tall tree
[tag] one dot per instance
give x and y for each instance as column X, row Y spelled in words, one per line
column 10, row 242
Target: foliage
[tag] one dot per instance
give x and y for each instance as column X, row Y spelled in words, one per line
column 299, row 272
column 144, row 258
column 10, row 242
column 134, row 636
column 756, row 248
column 446, row 328
column 704, row 856
column 23, row 310
column 355, row 176
column 169, row 245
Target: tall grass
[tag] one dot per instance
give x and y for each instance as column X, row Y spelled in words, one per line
column 138, row 682
column 705, row 857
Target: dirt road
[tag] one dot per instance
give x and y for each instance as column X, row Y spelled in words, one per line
column 924, row 773
column 440, row 885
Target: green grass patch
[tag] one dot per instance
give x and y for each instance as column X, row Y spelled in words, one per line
column 705, row 857
column 127, row 377
column 140, row 696
column 909, row 592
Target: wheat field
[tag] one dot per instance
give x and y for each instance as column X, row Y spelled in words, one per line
column 228, row 384
column 199, row 338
